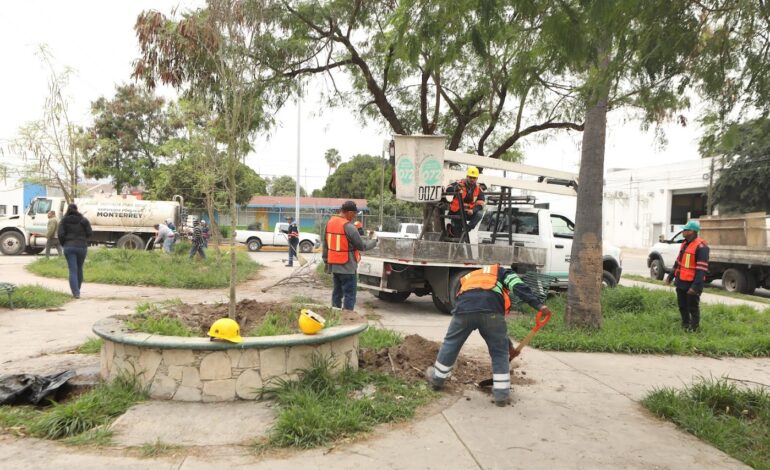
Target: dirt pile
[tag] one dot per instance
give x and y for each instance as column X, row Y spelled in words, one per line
column 409, row 360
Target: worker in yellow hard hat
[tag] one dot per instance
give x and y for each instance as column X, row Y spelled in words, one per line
column 468, row 199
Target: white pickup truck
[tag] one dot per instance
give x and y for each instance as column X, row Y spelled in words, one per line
column 541, row 240
column 405, row 230
column 256, row 239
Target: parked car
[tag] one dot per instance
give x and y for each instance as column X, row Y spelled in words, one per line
column 405, row 230
column 256, row 239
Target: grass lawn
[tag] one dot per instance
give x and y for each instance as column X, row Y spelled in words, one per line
column 151, row 268
column 29, row 296
column 709, row 290
column 639, row 320
column 732, row 418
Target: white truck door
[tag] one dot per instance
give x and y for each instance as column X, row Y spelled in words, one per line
column 280, row 238
column 560, row 245
column 525, row 229
column 36, row 218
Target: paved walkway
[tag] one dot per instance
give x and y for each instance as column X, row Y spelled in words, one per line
column 581, row 411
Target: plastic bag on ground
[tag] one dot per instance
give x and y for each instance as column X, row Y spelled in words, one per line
column 31, row 389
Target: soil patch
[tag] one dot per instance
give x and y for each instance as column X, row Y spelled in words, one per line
column 248, row 313
column 409, row 360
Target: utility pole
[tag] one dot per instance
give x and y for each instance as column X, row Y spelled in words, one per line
column 710, row 194
column 385, row 147
column 297, row 186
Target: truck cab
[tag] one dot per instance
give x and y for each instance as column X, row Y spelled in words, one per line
column 535, row 227
column 663, row 254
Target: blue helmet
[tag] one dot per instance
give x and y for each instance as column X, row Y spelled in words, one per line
column 693, row 225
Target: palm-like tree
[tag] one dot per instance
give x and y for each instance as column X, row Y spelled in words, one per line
column 333, row 158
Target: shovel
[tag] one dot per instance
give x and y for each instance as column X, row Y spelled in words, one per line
column 540, row 322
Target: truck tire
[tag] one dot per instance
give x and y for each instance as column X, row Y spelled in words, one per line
column 130, row 241
column 393, row 297
column 734, row 280
column 12, row 243
column 254, row 244
column 608, row 280
column 440, row 305
column 306, row 246
column 656, row 269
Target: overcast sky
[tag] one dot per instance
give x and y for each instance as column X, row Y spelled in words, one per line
column 96, row 39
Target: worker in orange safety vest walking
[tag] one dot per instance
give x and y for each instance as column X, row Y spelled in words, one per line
column 690, row 271
column 342, row 246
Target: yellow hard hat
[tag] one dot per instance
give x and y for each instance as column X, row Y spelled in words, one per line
column 310, row 322
column 473, row 172
column 226, row 329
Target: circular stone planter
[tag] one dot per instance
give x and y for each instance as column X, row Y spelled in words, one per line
column 197, row 369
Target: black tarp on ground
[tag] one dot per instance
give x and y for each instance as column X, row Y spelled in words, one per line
column 31, row 389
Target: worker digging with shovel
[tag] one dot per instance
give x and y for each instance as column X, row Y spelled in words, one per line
column 482, row 303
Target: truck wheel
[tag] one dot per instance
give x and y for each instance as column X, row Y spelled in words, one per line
column 254, row 244
column 12, row 243
column 130, row 241
column 734, row 280
column 656, row 269
column 393, row 297
column 608, row 280
column 306, row 247
column 439, row 304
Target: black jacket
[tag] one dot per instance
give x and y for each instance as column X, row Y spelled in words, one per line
column 74, row 230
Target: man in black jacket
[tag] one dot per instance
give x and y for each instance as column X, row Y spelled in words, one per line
column 74, row 232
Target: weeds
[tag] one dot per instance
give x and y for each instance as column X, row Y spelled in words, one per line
column 91, row 346
column 35, row 296
column 150, row 268
column 734, row 419
column 157, row 449
column 89, row 413
column 322, row 407
column 159, row 325
column 637, row 320
column 284, row 321
column 379, row 338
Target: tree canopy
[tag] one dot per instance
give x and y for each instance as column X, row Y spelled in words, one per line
column 127, row 137
column 358, row 178
column 284, row 186
column 744, row 150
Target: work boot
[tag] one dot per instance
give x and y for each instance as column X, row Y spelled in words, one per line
column 503, row 402
column 429, row 378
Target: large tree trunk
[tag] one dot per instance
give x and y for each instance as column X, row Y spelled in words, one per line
column 585, row 270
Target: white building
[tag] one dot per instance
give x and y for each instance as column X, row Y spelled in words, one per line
column 642, row 203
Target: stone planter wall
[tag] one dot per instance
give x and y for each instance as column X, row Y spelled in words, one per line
column 196, row 369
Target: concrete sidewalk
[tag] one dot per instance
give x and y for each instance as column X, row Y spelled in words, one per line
column 581, row 411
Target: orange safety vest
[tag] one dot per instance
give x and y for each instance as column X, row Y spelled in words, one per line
column 455, row 205
column 337, row 242
column 686, row 264
column 485, row 279
column 292, row 234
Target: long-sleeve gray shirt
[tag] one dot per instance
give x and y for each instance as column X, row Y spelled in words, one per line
column 354, row 241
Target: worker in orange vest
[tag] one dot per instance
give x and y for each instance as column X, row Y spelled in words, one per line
column 690, row 271
column 482, row 303
column 342, row 246
column 468, row 198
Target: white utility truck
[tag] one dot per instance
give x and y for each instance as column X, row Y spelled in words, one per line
column 513, row 231
column 123, row 221
column 739, row 251
column 405, row 230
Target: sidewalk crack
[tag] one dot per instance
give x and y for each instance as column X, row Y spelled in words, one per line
column 467, row 449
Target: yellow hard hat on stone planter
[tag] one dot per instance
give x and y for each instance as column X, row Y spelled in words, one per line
column 226, row 329
column 310, row 322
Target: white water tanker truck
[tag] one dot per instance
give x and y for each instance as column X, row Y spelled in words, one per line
column 122, row 221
